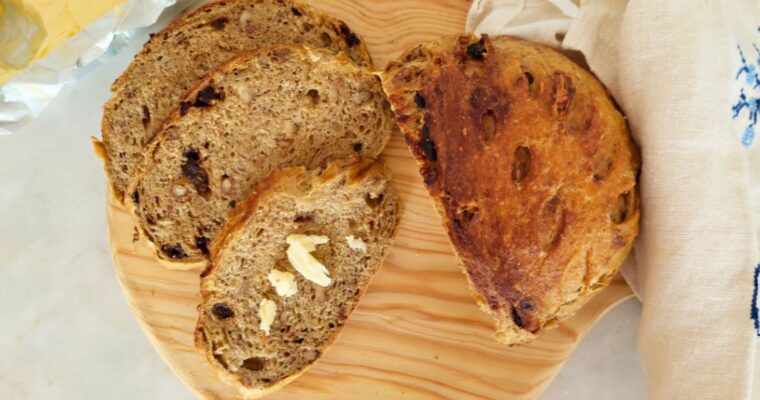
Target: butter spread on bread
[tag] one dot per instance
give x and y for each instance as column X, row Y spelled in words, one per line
column 231, row 333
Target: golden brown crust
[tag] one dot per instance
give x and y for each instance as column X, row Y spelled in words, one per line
column 530, row 166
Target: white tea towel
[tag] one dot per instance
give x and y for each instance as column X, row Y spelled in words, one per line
column 686, row 75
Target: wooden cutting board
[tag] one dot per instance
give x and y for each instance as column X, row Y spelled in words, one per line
column 417, row 333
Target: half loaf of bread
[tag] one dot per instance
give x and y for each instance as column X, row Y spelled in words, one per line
column 530, row 166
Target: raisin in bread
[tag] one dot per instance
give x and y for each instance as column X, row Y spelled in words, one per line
column 282, row 106
column 530, row 166
column 262, row 322
column 175, row 58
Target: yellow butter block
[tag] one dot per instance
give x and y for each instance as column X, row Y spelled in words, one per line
column 30, row 29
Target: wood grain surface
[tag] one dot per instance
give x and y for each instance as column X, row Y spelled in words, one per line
column 417, row 333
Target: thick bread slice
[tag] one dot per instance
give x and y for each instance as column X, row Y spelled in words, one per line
column 276, row 107
column 348, row 198
column 175, row 58
column 530, row 166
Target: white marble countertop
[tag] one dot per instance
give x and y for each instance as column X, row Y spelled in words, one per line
column 67, row 332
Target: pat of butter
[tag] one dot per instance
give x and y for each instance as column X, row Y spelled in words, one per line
column 283, row 282
column 356, row 243
column 267, row 311
column 299, row 255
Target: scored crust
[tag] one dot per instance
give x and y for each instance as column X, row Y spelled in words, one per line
column 173, row 60
column 237, row 125
column 348, row 197
column 529, row 164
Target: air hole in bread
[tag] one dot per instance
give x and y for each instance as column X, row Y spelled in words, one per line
column 219, row 23
column 173, row 251
column 313, row 95
column 304, row 217
column 357, row 147
column 373, row 200
column 622, row 205
column 477, row 50
column 521, row 164
column 488, row 128
column 254, row 364
column 419, row 100
column 350, row 37
column 296, row 11
column 193, row 155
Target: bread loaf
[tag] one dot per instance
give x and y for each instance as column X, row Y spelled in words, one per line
column 530, row 166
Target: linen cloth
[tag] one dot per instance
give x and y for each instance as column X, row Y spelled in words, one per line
column 686, row 75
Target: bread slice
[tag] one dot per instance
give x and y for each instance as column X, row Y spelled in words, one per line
column 348, row 202
column 175, row 58
column 276, row 107
column 530, row 166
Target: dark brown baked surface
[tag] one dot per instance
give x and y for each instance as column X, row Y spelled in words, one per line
column 531, row 167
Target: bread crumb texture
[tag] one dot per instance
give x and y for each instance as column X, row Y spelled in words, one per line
column 326, row 205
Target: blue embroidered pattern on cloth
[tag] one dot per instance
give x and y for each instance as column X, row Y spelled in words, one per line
column 755, row 313
column 751, row 101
